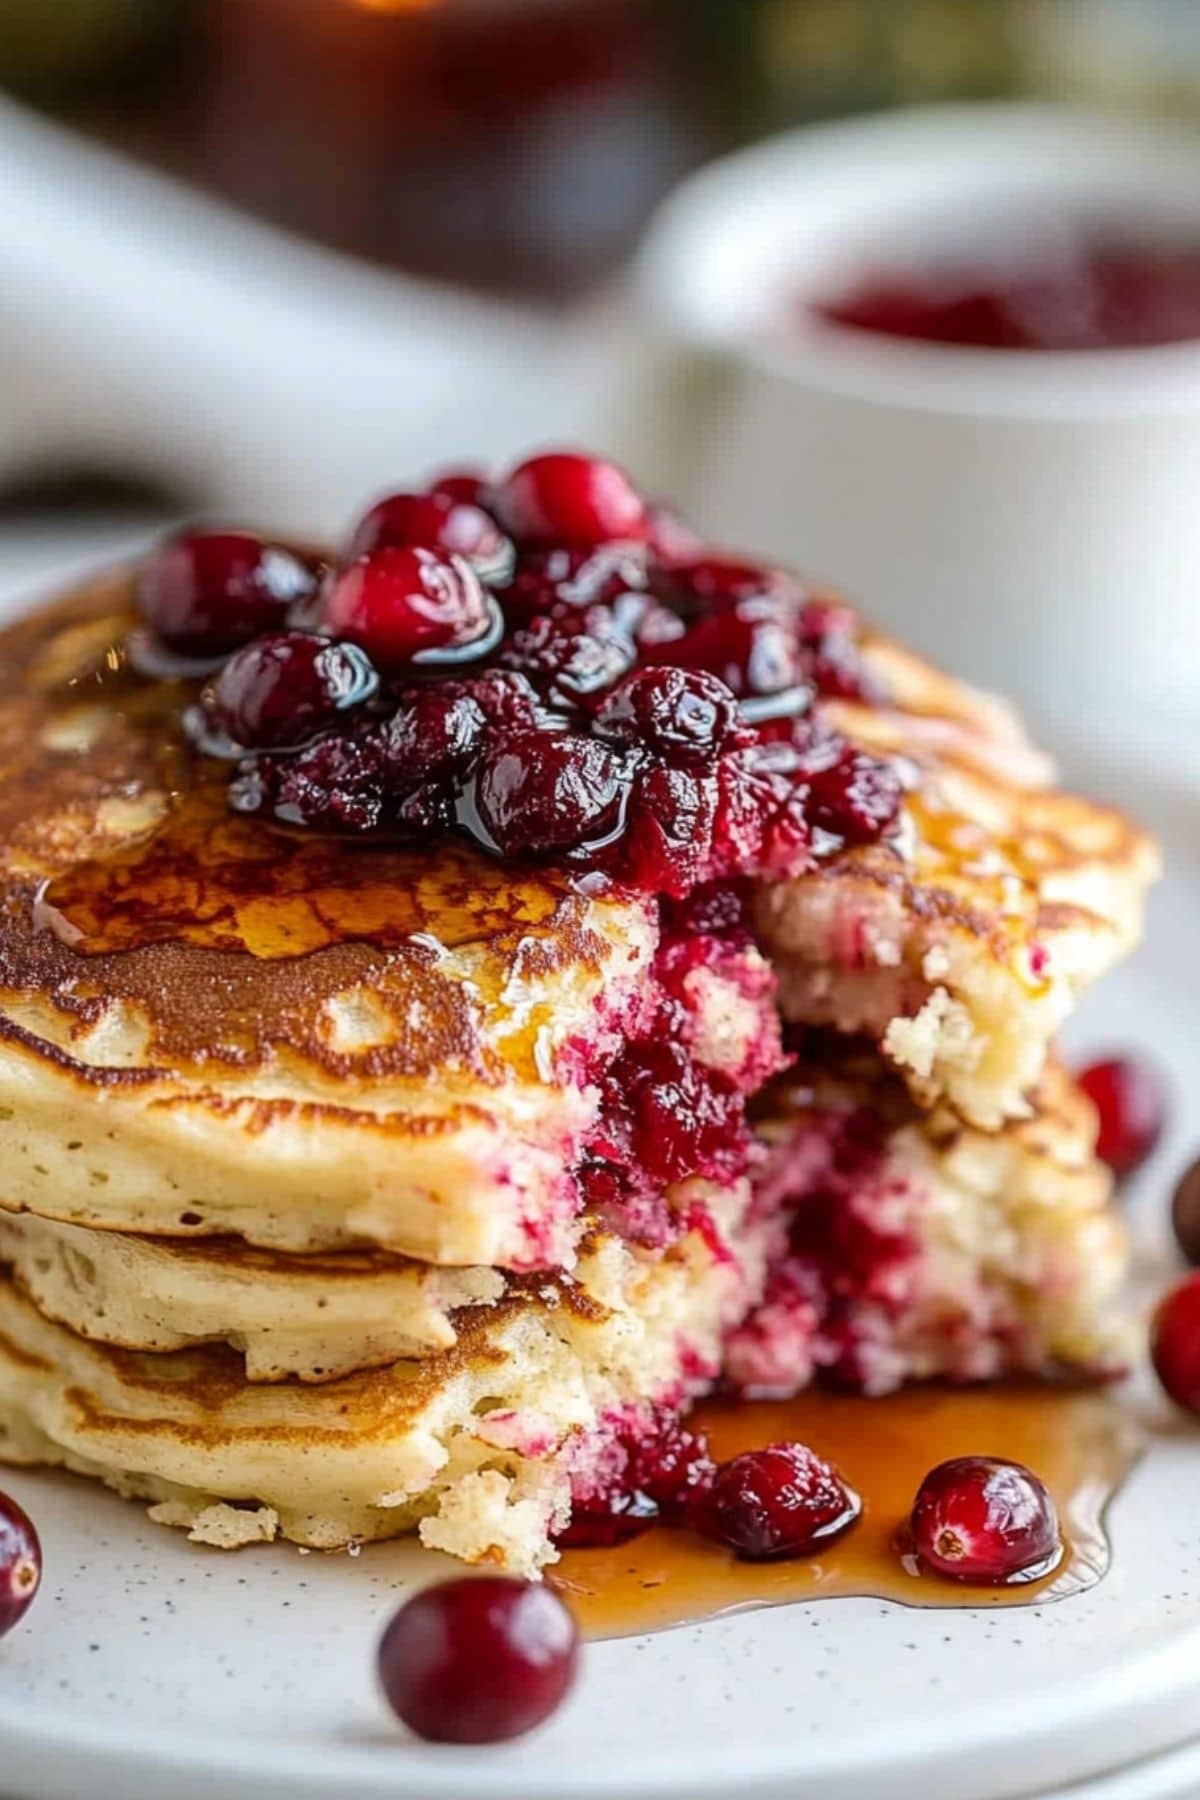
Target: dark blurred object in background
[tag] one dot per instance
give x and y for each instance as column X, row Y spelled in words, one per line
column 522, row 144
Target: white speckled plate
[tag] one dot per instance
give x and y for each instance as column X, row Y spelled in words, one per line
column 151, row 1667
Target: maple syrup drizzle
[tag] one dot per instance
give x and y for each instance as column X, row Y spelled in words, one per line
column 1082, row 1443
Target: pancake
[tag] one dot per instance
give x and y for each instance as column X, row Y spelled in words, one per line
column 963, row 947
column 478, row 1447
column 209, row 1026
column 909, row 1245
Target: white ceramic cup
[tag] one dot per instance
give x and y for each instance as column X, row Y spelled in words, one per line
column 1031, row 518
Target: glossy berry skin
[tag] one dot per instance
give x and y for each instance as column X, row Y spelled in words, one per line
column 538, row 791
column 280, row 692
column 1185, row 1214
column 980, row 1519
column 1130, row 1097
column 608, row 1519
column 778, row 1502
column 433, row 522
column 478, row 1660
column 204, row 593
column 20, row 1563
column 686, row 716
column 401, row 602
column 565, row 498
column 1175, row 1343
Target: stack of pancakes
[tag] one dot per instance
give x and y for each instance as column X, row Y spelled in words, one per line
column 289, row 1129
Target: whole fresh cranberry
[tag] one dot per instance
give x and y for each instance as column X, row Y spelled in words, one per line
column 401, row 602
column 537, row 791
column 1130, row 1098
column 778, row 1502
column 434, row 522
column 20, row 1563
column 563, row 497
column 981, row 1519
column 478, row 1659
column 1185, row 1213
column 1175, row 1343
column 204, row 593
column 280, row 692
column 685, row 716
column 569, row 666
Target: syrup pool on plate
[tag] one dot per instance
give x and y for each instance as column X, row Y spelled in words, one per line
column 1081, row 1442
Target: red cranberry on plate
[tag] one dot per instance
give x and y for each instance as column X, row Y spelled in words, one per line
column 537, row 791
column 1130, row 1097
column 204, row 593
column 568, row 665
column 1185, row 1213
column 716, row 584
column 1175, row 1343
column 750, row 648
column 403, row 601
column 434, row 522
column 280, row 692
column 685, row 716
column 778, row 1502
column 981, row 1519
column 20, row 1563
column 562, row 580
column 673, row 1468
column 432, row 733
column 857, row 799
column 603, row 1520
column 478, row 1659
column 564, row 497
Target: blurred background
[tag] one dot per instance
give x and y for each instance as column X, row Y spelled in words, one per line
column 264, row 257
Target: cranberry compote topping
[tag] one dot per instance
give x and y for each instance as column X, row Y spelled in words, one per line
column 613, row 1517
column 1130, row 1098
column 567, row 498
column 279, row 692
column 674, row 1470
column 541, row 791
column 205, row 592
column 478, row 1659
column 20, row 1563
column 1175, row 1343
column 401, row 602
column 684, row 716
column 777, row 1502
column 979, row 1519
column 596, row 686
column 435, row 522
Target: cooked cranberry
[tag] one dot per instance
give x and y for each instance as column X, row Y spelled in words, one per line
column 1175, row 1343
column 435, row 522
column 478, row 1659
column 502, row 696
column 400, row 602
column 432, row 734
column 568, row 665
column 777, row 1502
column 673, row 1469
column 337, row 784
column 537, row 791
column 980, row 1519
column 670, row 824
column 1130, row 1097
column 672, row 1116
column 750, row 648
column 467, row 485
column 858, row 799
column 279, row 692
column 672, row 541
column 683, row 715
column 717, row 584
column 566, row 498
column 830, row 652
column 762, row 823
column 602, row 1520
column 20, row 1563
column 206, row 592
column 564, row 580
column 1185, row 1213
